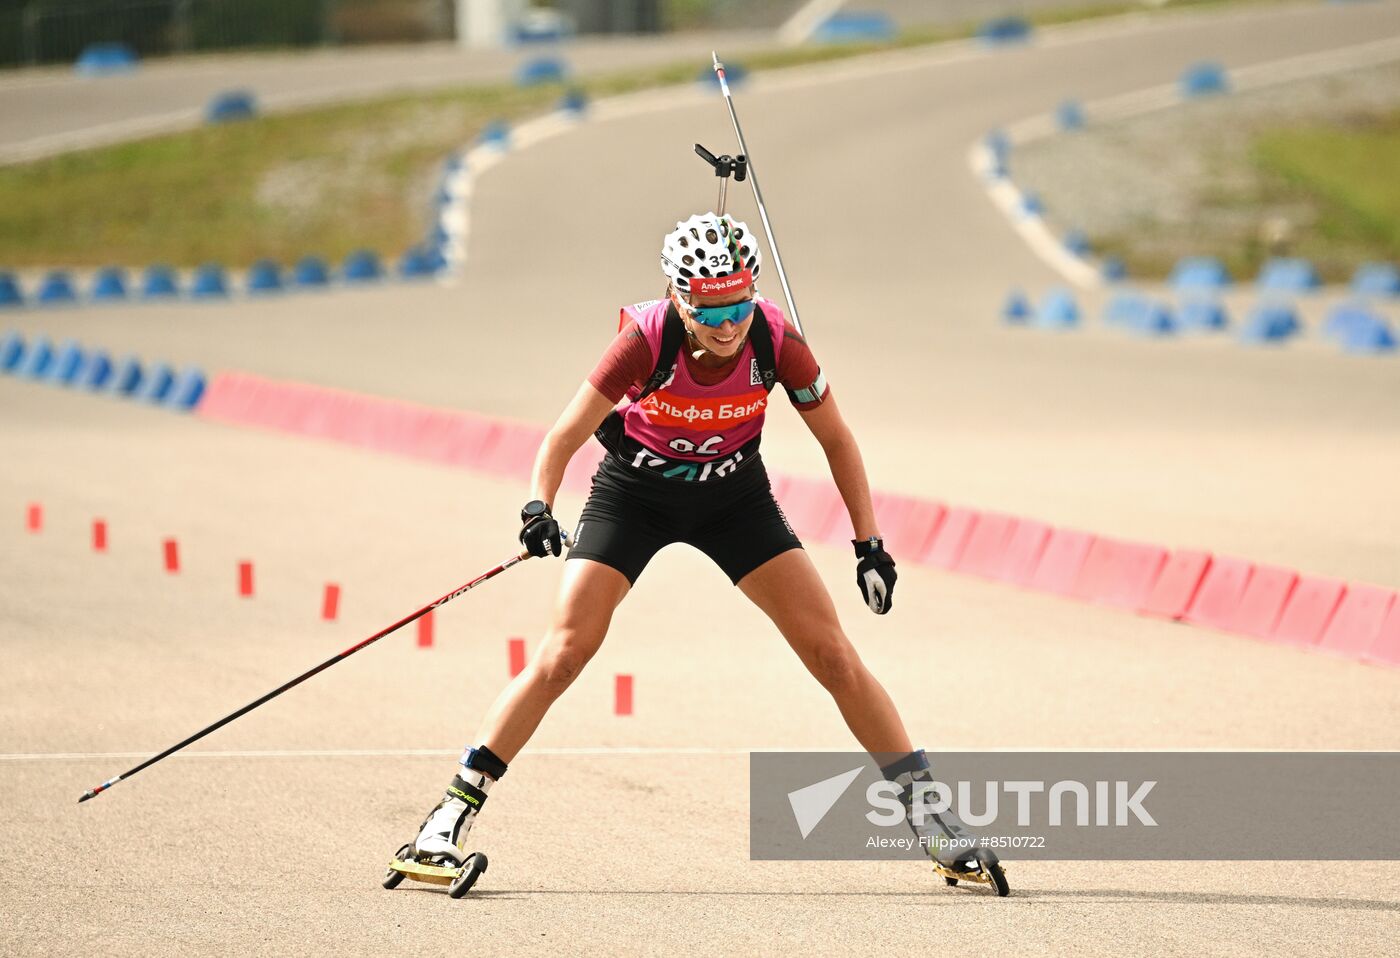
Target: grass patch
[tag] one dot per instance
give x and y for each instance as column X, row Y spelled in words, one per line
column 1332, row 184
column 326, row 180
column 1347, row 174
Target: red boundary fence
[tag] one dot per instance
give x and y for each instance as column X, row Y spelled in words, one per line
column 1355, row 620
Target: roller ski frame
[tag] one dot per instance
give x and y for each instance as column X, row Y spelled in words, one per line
column 459, row 879
column 983, row 870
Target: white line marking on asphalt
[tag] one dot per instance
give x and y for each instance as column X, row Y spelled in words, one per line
column 608, row 751
column 374, row 753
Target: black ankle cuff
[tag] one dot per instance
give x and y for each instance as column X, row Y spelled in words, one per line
column 482, row 759
column 916, row 761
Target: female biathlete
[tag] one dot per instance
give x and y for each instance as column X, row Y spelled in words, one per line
column 683, row 466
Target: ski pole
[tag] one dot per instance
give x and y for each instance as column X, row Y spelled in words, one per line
column 513, row 560
column 758, row 195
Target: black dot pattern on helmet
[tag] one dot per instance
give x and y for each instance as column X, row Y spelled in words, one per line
column 704, row 239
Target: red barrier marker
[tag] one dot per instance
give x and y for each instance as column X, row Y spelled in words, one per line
column 99, row 535
column 1309, row 610
column 985, row 547
column 1385, row 649
column 1096, row 570
column 1061, row 561
column 1171, row 595
column 622, row 695
column 172, row 556
column 1022, row 553
column 1262, row 601
column 245, row 578
column 1219, row 593
column 330, row 605
column 1358, row 620
column 1119, row 574
column 946, row 547
column 34, row 519
column 517, row 657
column 907, row 524
column 425, row 632
column 514, row 451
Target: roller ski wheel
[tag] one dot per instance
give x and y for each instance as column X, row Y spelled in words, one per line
column 474, row 867
column 392, row 876
column 983, row 870
column 435, row 870
column 996, row 876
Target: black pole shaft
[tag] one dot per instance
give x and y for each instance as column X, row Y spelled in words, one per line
column 307, row 674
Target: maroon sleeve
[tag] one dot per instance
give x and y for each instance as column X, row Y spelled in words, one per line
column 799, row 373
column 627, row 362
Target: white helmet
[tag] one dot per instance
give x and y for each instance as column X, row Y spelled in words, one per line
column 708, row 247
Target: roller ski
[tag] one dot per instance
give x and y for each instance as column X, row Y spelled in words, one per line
column 982, row 869
column 435, row 870
column 953, row 848
column 438, row 856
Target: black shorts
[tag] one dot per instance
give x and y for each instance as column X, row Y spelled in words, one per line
column 630, row 515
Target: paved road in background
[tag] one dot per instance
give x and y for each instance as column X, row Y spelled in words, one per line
column 49, row 111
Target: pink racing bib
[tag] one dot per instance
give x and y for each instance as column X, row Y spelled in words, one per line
column 688, row 430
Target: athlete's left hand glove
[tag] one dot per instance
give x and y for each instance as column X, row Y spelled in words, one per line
column 875, row 574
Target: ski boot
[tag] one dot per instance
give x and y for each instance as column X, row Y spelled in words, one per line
column 438, row 855
column 956, row 853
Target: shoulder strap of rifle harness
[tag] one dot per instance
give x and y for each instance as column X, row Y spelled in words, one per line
column 673, row 335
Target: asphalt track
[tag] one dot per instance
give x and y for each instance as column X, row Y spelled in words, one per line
column 53, row 110
column 596, row 845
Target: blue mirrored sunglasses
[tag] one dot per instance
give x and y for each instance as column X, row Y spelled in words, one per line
column 715, row 316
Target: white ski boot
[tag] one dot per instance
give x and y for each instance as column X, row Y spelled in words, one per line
column 444, row 832
column 439, row 854
column 955, row 851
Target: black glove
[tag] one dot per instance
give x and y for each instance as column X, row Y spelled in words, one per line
column 540, row 535
column 875, row 574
